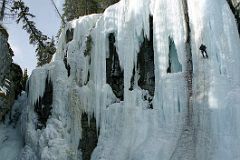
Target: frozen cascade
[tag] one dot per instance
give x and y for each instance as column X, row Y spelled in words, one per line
column 191, row 113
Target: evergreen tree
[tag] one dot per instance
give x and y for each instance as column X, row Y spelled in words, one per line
column 72, row 9
column 5, row 9
column 2, row 11
column 75, row 8
column 45, row 45
column 24, row 79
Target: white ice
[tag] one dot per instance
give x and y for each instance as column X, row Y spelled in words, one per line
column 128, row 130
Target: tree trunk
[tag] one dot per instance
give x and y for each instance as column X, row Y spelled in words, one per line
column 86, row 7
column 2, row 10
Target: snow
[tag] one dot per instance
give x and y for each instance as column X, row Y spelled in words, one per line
column 129, row 129
column 10, row 133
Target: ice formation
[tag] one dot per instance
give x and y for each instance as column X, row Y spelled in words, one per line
column 183, row 108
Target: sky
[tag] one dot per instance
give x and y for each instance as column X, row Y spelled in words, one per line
column 47, row 21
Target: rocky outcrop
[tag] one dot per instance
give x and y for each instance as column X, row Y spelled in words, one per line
column 5, row 63
column 146, row 62
column 10, row 75
column 89, row 139
column 114, row 72
column 6, row 55
column 236, row 4
column 235, row 7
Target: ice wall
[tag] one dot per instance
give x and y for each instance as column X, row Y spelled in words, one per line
column 194, row 111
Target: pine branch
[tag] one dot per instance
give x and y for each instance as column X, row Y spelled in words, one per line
column 45, row 49
column 2, row 10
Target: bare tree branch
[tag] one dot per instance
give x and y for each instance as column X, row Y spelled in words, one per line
column 55, row 6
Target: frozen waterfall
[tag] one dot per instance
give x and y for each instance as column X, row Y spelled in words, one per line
column 134, row 80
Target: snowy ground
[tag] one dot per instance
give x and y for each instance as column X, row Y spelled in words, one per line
column 11, row 140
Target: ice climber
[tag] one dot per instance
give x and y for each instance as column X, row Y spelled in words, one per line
column 203, row 50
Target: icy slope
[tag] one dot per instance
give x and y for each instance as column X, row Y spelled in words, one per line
column 175, row 104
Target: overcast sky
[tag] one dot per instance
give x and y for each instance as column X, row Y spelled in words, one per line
column 46, row 20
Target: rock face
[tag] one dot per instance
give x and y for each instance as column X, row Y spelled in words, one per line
column 145, row 66
column 6, row 55
column 89, row 139
column 235, row 7
column 114, row 73
column 10, row 75
column 5, row 64
column 236, row 4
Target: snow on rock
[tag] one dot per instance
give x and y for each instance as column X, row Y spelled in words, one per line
column 140, row 126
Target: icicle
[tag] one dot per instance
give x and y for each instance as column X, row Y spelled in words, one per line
column 37, row 84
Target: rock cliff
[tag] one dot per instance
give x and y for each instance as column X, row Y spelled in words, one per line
column 10, row 75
